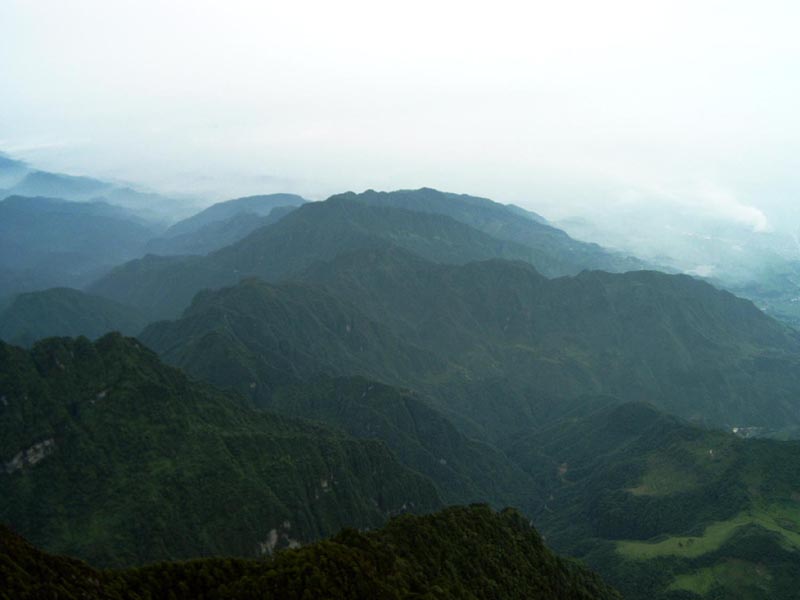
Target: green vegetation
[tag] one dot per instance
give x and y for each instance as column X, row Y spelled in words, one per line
column 468, row 336
column 315, row 232
column 554, row 252
column 387, row 353
column 659, row 506
column 110, row 456
column 463, row 469
column 65, row 312
column 782, row 520
column 468, row 553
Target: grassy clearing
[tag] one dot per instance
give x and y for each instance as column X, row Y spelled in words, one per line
column 732, row 574
column 686, row 466
column 662, row 478
column 782, row 519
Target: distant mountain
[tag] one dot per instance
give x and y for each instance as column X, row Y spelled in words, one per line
column 498, row 346
column 222, row 211
column 555, row 253
column 48, row 242
column 465, row 553
column 314, row 232
column 110, row 456
column 18, row 179
column 65, row 312
column 11, row 171
column 666, row 510
column 214, row 235
column 761, row 264
column 56, row 185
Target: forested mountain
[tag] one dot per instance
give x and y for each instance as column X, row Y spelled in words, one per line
column 112, row 457
column 65, row 312
column 223, row 224
column 496, row 344
column 317, row 231
column 48, row 242
column 463, row 469
column 667, row 510
column 555, row 253
column 387, row 353
column 458, row 553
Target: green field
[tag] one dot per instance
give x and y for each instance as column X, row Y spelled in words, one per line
column 782, row 519
column 730, row 573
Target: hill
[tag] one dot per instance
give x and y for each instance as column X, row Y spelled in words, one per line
column 37, row 183
column 112, row 457
column 65, row 312
column 667, row 510
column 466, row 553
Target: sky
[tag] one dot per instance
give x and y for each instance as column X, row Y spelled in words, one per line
column 570, row 108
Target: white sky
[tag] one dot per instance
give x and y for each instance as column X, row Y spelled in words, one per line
column 564, row 107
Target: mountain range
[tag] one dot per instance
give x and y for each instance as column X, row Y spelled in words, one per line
column 300, row 367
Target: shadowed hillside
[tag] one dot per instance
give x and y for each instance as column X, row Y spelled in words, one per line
column 458, row 553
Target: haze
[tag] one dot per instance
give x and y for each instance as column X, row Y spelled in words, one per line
column 599, row 110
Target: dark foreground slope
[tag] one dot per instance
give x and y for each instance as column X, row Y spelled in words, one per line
column 110, row 456
column 467, row 553
column 664, row 509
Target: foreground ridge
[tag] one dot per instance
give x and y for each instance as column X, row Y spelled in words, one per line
column 461, row 552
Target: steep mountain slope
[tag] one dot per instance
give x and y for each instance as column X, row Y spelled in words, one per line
column 273, row 342
column 47, row 242
column 110, row 456
column 467, row 553
column 65, row 312
column 667, row 510
column 555, row 253
column 463, row 469
column 260, row 336
column 316, row 231
column 677, row 342
column 495, row 344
